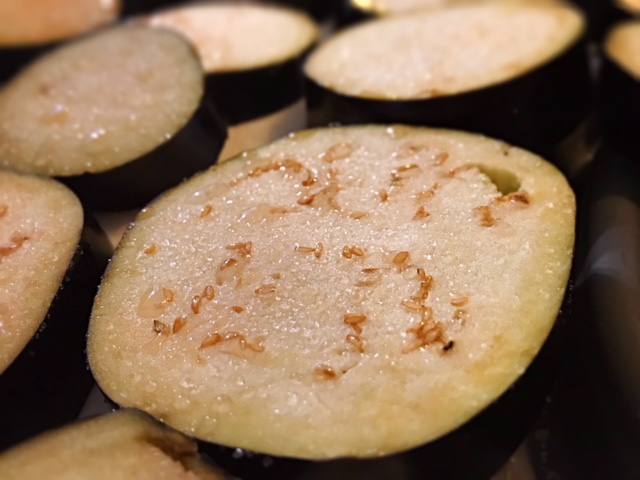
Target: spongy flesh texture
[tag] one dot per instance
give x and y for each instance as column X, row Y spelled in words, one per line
column 241, row 37
column 40, row 225
column 30, row 22
column 622, row 46
column 121, row 446
column 444, row 52
column 99, row 102
column 347, row 292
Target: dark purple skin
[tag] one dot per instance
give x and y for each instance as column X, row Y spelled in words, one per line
column 537, row 111
column 134, row 184
column 48, row 383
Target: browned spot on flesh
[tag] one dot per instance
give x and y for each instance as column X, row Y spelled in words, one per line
column 369, row 277
column 206, row 211
column 4, row 209
column 324, row 198
column 265, row 290
column 211, row 340
column 356, row 342
column 384, row 195
column 244, row 249
column 427, row 195
column 161, row 328
column 16, row 244
column 178, row 324
column 401, row 258
column 358, row 215
column 168, row 295
column 209, row 292
column 196, row 304
column 440, row 157
column 421, row 214
column 485, row 216
column 152, row 250
column 301, row 249
column 456, row 171
column 325, row 372
column 340, row 151
column 515, row 197
column 459, row 301
column 216, row 338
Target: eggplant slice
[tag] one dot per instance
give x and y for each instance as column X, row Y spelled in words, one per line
column 252, row 55
column 123, row 445
column 52, row 262
column 30, row 27
column 516, row 71
column 120, row 116
column 349, row 292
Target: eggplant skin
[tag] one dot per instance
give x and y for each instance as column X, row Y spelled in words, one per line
column 48, row 383
column 194, row 148
column 476, row 450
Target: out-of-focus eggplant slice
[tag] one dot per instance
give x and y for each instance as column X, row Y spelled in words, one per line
column 126, row 445
column 50, row 270
column 119, row 116
column 620, row 88
column 516, row 71
column 252, row 56
column 30, row 27
column 355, row 292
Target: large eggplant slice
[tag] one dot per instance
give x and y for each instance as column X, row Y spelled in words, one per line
column 353, row 293
column 119, row 116
column 620, row 89
column 517, row 71
column 30, row 27
column 51, row 267
column 126, row 445
column 252, row 56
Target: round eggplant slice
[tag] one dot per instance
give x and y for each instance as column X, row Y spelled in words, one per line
column 346, row 293
column 515, row 71
column 126, row 445
column 51, row 268
column 251, row 78
column 620, row 88
column 30, row 27
column 119, row 116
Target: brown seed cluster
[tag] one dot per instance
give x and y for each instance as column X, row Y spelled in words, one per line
column 286, row 165
column 217, row 338
column 233, row 267
column 485, row 216
column 208, row 293
column 327, row 197
column 428, row 331
column 352, row 251
column 317, row 250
